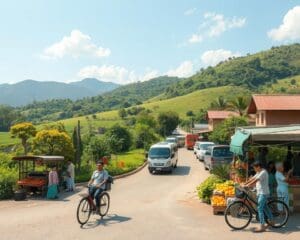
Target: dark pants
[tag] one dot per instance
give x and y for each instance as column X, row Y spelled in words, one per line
column 95, row 193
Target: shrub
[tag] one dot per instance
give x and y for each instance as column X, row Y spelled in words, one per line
column 222, row 171
column 85, row 174
column 205, row 189
column 8, row 178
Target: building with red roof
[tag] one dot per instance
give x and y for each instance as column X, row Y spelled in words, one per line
column 275, row 109
column 216, row 117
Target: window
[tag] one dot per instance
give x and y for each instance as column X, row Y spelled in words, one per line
column 257, row 119
column 262, row 118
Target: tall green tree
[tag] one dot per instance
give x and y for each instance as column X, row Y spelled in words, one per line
column 239, row 105
column 219, row 104
column 144, row 136
column 78, row 146
column 122, row 113
column 223, row 132
column 167, row 121
column 24, row 131
column 119, row 139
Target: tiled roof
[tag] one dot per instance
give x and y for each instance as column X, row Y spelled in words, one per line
column 274, row 102
column 220, row 114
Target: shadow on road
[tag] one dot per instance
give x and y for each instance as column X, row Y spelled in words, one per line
column 293, row 225
column 179, row 171
column 110, row 219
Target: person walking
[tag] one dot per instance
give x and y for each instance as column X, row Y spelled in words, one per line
column 70, row 177
column 282, row 184
column 261, row 180
column 53, row 181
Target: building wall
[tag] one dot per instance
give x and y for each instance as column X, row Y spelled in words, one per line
column 282, row 117
column 261, row 118
column 212, row 123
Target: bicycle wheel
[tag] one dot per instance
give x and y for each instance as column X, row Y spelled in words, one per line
column 280, row 212
column 83, row 211
column 104, row 204
column 238, row 215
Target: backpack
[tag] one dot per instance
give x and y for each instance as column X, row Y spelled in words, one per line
column 109, row 182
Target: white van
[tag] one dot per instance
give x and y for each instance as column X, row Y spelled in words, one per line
column 162, row 157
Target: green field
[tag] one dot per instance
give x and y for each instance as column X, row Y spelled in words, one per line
column 5, row 139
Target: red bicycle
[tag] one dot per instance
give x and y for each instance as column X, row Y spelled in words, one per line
column 87, row 206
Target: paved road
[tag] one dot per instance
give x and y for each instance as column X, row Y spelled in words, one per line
column 143, row 206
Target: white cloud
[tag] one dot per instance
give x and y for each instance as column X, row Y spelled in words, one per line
column 190, row 11
column 213, row 57
column 75, row 45
column 185, row 69
column 290, row 27
column 214, row 25
column 196, row 38
column 116, row 74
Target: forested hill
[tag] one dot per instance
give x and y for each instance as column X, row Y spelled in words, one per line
column 124, row 96
column 251, row 71
column 28, row 91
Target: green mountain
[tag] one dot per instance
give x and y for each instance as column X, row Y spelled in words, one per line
column 29, row 91
column 251, row 71
column 124, row 96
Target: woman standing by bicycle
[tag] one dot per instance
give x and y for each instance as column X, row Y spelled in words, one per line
column 261, row 180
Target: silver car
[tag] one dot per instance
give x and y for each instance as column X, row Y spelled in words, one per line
column 217, row 155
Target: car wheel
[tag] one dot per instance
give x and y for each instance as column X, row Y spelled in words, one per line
column 205, row 167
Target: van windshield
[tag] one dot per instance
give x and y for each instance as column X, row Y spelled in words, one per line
column 222, row 152
column 159, row 153
column 204, row 146
column 171, row 140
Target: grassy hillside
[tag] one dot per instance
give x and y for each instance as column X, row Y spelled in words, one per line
column 193, row 101
column 289, row 85
column 124, row 96
column 251, row 71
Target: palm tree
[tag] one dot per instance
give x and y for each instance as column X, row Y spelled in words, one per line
column 220, row 103
column 239, row 105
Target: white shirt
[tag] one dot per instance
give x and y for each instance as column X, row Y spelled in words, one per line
column 281, row 183
column 262, row 185
column 71, row 170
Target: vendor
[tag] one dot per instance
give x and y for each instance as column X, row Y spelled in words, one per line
column 282, row 183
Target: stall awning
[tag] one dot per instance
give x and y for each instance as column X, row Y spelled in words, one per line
column 237, row 142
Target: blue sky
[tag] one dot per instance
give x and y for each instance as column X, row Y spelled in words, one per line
column 130, row 40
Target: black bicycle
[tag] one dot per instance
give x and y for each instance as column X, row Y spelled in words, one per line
column 87, row 206
column 239, row 213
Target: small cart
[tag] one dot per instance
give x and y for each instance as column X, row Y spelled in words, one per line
column 33, row 174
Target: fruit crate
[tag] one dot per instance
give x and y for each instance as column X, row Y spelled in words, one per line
column 218, row 209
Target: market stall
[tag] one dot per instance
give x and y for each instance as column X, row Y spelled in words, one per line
column 33, row 172
column 264, row 138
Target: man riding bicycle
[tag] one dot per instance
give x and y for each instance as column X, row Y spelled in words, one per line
column 97, row 183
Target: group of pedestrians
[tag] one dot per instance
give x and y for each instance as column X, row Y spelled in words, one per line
column 266, row 182
column 53, row 181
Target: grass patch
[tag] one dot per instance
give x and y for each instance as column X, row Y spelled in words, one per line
column 124, row 163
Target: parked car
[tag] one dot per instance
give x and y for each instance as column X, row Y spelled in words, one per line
column 201, row 149
column 190, row 140
column 217, row 155
column 180, row 140
column 173, row 140
column 162, row 157
column 196, row 146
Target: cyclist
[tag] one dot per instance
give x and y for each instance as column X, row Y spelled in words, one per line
column 261, row 179
column 97, row 183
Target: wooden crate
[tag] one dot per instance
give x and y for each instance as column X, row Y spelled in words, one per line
column 218, row 209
